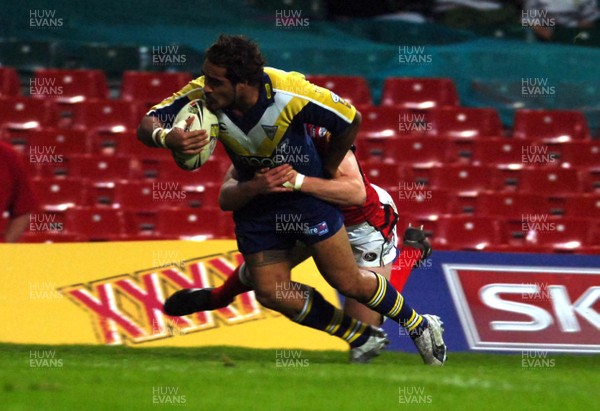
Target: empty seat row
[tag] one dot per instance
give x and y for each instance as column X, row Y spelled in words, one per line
column 415, row 199
column 505, row 152
column 533, row 233
column 430, row 204
column 378, row 123
column 67, row 142
column 99, row 169
column 59, row 195
column 73, row 86
column 108, row 224
column 471, row 179
column 470, row 123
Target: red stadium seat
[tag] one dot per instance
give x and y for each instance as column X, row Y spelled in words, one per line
column 206, row 196
column 22, row 113
column 69, row 86
column 375, row 149
column 466, row 180
column 151, row 88
column 378, row 122
column 95, row 224
column 59, row 195
column 100, row 169
column 135, row 195
column 465, row 233
column 108, row 116
column 58, row 142
column 591, row 179
column 507, row 153
column 123, row 144
column 461, row 122
column 554, row 182
column 511, row 205
column 419, row 93
column 581, row 154
column 100, row 195
column 154, row 195
column 385, row 175
column 562, row 234
column 418, row 151
column 46, row 142
column 584, row 205
column 9, row 82
column 420, row 203
column 550, row 125
column 354, row 89
column 141, row 224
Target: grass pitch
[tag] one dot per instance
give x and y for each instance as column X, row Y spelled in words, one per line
column 229, row 378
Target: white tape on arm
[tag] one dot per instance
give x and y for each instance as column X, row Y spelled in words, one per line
column 298, row 182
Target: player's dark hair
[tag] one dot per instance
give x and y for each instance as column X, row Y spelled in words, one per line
column 240, row 56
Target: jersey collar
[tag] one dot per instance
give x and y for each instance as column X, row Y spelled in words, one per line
column 266, row 97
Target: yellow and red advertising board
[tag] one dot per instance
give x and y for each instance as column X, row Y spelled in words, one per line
column 112, row 293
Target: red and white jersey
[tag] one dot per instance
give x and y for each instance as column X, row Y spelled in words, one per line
column 380, row 215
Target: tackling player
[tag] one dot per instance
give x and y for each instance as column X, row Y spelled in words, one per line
column 370, row 217
column 261, row 113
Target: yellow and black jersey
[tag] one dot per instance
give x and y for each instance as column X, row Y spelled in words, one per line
column 273, row 131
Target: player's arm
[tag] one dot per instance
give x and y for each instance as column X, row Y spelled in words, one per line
column 339, row 146
column 235, row 194
column 346, row 189
column 15, row 227
column 157, row 129
column 340, row 118
column 153, row 133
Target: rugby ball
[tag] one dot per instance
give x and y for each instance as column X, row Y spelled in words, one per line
column 203, row 119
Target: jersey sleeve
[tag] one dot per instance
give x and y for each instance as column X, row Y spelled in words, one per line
column 313, row 104
column 326, row 109
column 167, row 110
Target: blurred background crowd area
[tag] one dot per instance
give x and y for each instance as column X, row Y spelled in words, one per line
column 487, row 48
column 479, row 117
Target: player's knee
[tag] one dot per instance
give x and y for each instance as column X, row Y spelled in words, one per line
column 266, row 298
column 349, row 289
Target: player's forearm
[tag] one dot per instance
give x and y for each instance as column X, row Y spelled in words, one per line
column 234, row 195
column 343, row 191
column 339, row 146
column 15, row 228
column 146, row 128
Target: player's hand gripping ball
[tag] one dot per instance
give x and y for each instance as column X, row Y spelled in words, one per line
column 203, row 119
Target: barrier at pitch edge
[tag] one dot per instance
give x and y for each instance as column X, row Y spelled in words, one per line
column 112, row 294
column 508, row 302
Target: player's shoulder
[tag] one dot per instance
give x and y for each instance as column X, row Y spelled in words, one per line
column 192, row 91
column 291, row 82
column 295, row 84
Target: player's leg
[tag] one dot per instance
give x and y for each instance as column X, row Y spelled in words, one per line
column 374, row 249
column 361, row 312
column 239, row 281
column 334, row 259
column 306, row 306
column 373, row 252
column 191, row 300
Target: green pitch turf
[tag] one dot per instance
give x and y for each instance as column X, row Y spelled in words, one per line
column 225, row 378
